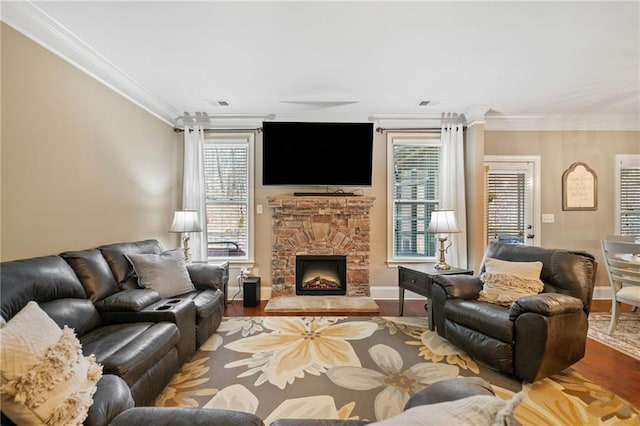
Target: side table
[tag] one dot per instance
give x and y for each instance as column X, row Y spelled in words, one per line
column 418, row 278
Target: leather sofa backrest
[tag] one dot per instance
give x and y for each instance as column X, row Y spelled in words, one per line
column 120, row 267
column 563, row 271
column 79, row 314
column 42, row 279
column 93, row 272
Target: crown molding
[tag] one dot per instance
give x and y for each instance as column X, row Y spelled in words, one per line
column 475, row 114
column 590, row 122
column 28, row 19
column 34, row 23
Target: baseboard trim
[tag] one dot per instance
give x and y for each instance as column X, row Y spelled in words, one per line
column 391, row 293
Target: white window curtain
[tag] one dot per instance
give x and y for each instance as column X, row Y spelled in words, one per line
column 452, row 189
column 193, row 190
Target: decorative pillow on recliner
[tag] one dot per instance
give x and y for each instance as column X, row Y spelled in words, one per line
column 45, row 379
column 505, row 281
column 166, row 273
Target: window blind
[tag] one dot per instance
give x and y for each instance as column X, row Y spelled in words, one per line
column 629, row 200
column 226, row 168
column 415, row 196
column 506, row 216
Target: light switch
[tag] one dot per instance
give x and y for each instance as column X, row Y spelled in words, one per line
column 259, row 208
column 548, row 218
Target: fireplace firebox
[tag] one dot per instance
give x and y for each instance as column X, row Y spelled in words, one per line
column 321, row 275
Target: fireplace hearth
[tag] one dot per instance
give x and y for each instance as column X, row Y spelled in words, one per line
column 321, row 275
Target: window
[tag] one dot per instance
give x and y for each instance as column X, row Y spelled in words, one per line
column 627, row 194
column 228, row 188
column 413, row 185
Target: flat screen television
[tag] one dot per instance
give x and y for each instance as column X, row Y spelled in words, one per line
column 317, row 153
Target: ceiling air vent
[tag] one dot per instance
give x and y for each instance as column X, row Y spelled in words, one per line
column 218, row 103
column 423, row 103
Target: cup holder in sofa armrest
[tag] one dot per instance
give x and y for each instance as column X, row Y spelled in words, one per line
column 168, row 304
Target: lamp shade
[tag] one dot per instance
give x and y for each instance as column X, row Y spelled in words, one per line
column 443, row 222
column 185, row 221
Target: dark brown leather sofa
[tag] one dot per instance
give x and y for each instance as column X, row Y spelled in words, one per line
column 134, row 333
column 536, row 336
column 112, row 285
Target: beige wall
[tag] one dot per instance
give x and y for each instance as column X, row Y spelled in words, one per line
column 81, row 165
column 580, row 230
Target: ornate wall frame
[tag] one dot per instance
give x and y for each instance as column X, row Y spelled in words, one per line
column 579, row 188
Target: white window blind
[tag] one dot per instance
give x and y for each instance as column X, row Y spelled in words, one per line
column 506, row 216
column 628, row 180
column 415, row 181
column 226, row 165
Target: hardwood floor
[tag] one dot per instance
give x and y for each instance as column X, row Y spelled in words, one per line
column 609, row 368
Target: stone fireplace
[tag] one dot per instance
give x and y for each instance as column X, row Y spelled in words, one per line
column 320, row 226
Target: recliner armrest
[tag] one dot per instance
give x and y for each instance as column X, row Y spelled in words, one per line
column 206, row 276
column 128, row 301
column 459, row 286
column 547, row 304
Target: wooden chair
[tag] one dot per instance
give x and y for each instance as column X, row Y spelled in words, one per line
column 622, row 260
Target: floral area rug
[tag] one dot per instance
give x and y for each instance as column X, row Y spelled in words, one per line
column 626, row 335
column 361, row 368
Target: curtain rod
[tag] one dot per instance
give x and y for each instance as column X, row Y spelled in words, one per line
column 408, row 129
column 378, row 129
column 256, row 129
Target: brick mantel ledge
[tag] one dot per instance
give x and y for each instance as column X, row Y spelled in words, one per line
column 298, row 203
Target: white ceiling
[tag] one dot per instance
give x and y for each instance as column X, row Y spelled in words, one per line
column 543, row 62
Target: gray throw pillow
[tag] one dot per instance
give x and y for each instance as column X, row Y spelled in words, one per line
column 165, row 273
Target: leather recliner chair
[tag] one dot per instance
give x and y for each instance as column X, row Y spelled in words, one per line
column 536, row 336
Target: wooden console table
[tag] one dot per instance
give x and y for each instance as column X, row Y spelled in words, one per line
column 418, row 278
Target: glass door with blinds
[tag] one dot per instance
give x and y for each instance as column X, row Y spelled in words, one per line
column 511, row 201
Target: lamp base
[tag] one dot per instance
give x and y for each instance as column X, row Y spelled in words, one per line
column 186, row 247
column 442, row 266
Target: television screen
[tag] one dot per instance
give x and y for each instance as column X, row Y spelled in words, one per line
column 311, row 153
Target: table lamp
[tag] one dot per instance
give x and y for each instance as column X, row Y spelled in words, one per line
column 185, row 221
column 443, row 222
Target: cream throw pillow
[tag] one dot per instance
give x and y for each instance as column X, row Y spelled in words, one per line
column 504, row 281
column 166, row 273
column 44, row 378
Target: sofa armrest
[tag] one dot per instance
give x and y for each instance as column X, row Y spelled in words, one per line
column 204, row 276
column 459, row 286
column 187, row 416
column 181, row 312
column 547, row 304
column 450, row 390
column 111, row 398
column 127, row 301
